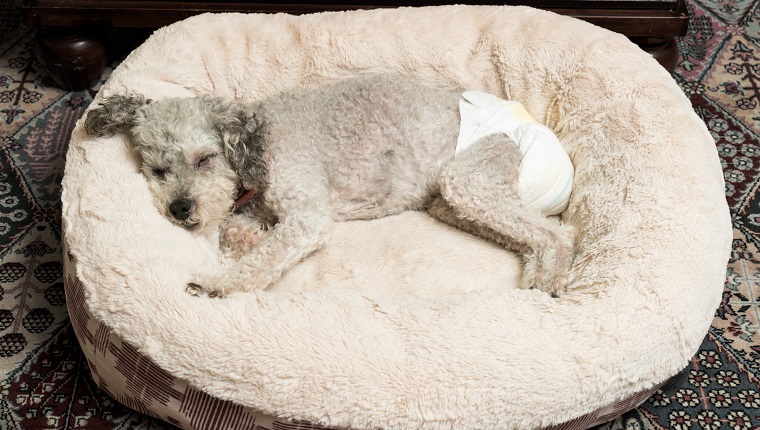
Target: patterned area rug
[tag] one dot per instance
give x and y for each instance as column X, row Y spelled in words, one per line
column 44, row 379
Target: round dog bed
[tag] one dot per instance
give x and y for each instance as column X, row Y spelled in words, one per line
column 402, row 322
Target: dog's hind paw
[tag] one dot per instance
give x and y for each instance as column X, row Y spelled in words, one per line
column 554, row 287
column 545, row 277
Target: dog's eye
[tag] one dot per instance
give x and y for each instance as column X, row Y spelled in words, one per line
column 204, row 161
column 159, row 173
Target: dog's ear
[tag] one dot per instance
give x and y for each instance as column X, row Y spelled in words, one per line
column 114, row 115
column 239, row 127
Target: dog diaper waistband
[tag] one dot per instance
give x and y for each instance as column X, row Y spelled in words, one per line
column 546, row 172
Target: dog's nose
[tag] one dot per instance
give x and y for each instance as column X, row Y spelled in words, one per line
column 181, row 208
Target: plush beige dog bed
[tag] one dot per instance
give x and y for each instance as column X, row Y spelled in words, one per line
column 404, row 323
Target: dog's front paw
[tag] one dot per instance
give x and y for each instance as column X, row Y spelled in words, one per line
column 209, row 286
column 214, row 286
column 199, row 291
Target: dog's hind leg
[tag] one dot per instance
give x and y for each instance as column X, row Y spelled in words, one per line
column 479, row 195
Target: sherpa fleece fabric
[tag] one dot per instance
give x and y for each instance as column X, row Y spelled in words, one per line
column 383, row 331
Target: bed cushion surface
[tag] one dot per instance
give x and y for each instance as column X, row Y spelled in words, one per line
column 380, row 330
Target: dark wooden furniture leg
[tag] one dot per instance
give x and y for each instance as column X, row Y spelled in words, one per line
column 73, row 57
column 663, row 49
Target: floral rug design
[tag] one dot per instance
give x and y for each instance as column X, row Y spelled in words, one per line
column 45, row 382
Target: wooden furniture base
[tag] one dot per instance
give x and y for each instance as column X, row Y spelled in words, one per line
column 71, row 41
column 73, row 57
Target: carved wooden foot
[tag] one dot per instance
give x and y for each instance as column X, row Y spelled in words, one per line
column 73, row 57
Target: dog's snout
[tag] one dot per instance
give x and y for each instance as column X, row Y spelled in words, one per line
column 181, row 208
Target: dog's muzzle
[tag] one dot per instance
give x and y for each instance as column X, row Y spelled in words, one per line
column 181, row 209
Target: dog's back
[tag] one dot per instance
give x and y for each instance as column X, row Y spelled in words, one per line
column 379, row 142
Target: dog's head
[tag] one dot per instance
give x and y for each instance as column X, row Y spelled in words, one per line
column 197, row 153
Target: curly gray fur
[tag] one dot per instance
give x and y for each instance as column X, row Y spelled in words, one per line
column 241, row 133
column 114, row 115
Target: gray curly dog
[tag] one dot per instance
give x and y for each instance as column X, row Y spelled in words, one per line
column 274, row 175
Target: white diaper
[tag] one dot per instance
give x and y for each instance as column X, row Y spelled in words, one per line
column 546, row 172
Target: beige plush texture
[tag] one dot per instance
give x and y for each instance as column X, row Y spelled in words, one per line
column 384, row 328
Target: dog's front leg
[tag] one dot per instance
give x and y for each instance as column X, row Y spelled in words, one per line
column 298, row 234
column 241, row 234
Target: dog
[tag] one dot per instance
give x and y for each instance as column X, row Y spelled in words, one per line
column 274, row 175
